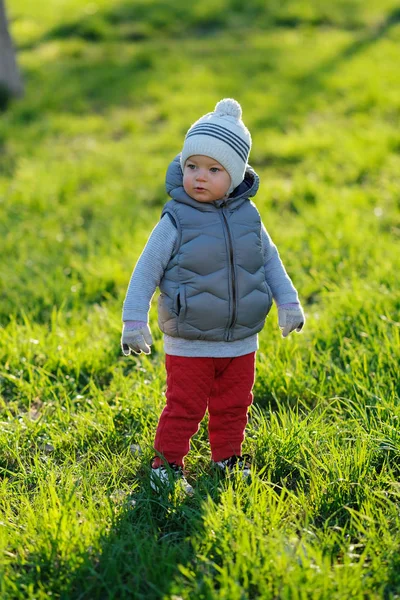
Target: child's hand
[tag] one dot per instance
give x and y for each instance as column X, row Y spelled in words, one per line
column 291, row 317
column 136, row 338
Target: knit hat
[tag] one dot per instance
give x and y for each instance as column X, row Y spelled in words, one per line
column 223, row 136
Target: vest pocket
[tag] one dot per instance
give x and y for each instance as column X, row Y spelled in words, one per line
column 166, row 309
column 181, row 302
column 177, row 303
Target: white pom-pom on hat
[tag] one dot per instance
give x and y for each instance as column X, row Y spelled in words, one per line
column 228, row 107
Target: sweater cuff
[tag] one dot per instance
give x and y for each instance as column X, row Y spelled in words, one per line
column 135, row 315
column 288, row 298
column 289, row 305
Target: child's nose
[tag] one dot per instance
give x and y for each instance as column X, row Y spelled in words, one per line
column 201, row 176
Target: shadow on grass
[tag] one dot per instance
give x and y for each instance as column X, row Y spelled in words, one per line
column 142, row 20
column 312, row 83
column 140, row 555
column 148, row 543
column 97, row 80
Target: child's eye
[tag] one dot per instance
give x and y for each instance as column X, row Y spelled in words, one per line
column 214, row 169
column 189, row 166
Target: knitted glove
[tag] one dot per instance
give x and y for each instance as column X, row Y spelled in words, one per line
column 290, row 317
column 136, row 337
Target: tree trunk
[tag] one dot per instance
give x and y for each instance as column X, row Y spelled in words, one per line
column 9, row 75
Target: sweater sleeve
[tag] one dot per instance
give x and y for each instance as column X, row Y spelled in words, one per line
column 283, row 290
column 149, row 271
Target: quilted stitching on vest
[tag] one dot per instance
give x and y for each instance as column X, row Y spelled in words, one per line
column 205, row 296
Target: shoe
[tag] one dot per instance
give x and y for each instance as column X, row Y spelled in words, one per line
column 165, row 477
column 236, row 464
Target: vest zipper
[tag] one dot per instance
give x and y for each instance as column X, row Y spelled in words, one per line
column 233, row 275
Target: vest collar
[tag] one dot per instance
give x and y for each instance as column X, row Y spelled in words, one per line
column 174, row 186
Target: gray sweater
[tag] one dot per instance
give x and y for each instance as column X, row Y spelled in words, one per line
column 149, row 271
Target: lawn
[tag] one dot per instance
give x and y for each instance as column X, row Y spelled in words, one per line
column 110, row 90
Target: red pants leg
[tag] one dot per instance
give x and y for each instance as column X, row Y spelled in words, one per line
column 229, row 401
column 189, row 383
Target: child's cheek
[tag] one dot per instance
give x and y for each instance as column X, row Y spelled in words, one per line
column 186, row 184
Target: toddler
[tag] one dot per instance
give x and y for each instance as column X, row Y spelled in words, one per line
column 218, row 271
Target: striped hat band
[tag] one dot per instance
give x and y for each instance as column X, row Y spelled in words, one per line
column 227, row 136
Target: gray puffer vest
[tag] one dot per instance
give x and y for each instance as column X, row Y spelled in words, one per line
column 214, row 286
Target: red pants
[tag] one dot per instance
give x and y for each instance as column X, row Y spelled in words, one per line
column 223, row 385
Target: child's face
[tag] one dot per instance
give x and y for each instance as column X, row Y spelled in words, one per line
column 204, row 179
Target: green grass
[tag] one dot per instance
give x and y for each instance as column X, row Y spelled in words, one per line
column 111, row 88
